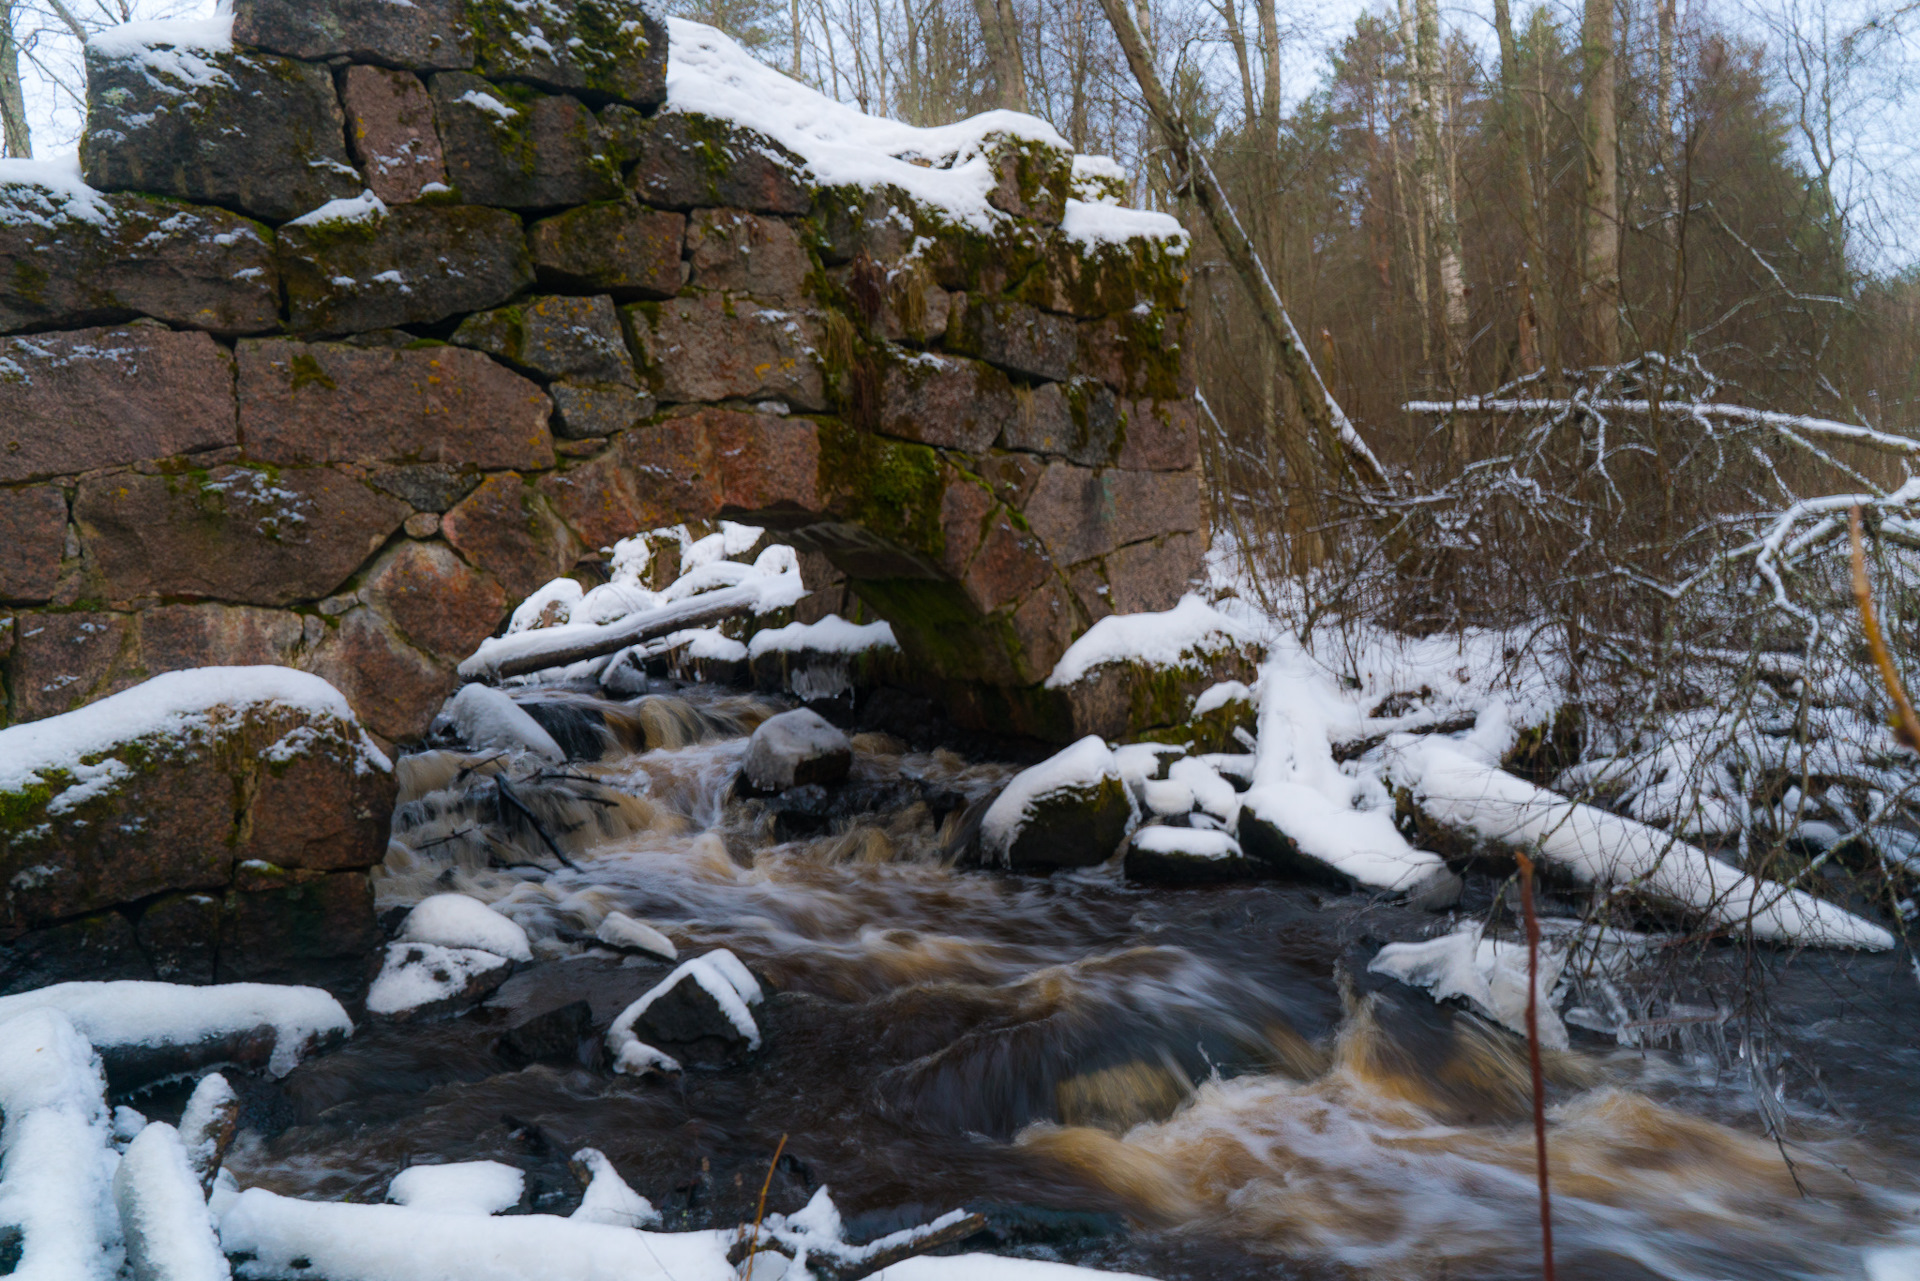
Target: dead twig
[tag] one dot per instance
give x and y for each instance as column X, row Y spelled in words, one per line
column 753, row 1242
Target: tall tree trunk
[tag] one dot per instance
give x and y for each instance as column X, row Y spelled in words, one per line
column 1419, row 178
column 1270, row 77
column 998, row 31
column 13, row 107
column 1230, row 14
column 1437, row 196
column 1325, row 429
column 1536, row 339
column 1663, row 109
column 1600, row 272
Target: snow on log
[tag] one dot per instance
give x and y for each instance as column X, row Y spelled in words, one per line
column 1493, row 807
column 502, row 657
column 163, row 1212
column 290, row 1239
column 140, row 1026
column 473, row 1188
column 1489, row 975
column 56, row 1154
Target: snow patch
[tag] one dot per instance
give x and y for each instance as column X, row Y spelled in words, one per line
column 365, row 207
column 56, row 1158
column 456, row 920
column 1173, row 638
column 462, row 1187
column 831, row 635
column 1086, row 764
column 132, row 1012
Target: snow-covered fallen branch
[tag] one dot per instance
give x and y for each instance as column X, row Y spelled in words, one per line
column 1802, row 424
column 502, row 657
column 56, row 1161
column 1486, row 804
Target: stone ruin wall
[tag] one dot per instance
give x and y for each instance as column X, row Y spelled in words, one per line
column 350, row 446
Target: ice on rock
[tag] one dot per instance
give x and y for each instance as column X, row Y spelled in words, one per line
column 1489, row 975
column 621, row 930
column 164, row 1220
column 463, row 1187
column 486, row 719
column 56, row 1154
column 460, row 920
column 136, row 1013
column 418, row 980
column 608, row 1199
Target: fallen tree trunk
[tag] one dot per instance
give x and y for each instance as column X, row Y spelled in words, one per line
column 1487, row 806
column 502, row 657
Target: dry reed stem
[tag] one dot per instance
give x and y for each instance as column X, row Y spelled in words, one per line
column 1906, row 725
column 1533, row 1059
column 753, row 1242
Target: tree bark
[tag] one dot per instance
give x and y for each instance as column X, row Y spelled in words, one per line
column 1435, row 198
column 1600, row 275
column 1536, row 341
column 1418, row 222
column 1663, row 109
column 14, row 133
column 998, row 30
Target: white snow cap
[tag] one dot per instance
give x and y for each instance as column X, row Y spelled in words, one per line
column 1167, row 639
column 486, row 718
column 462, row 1187
column 708, row 73
column 138, row 1012
column 1087, row 763
column 1194, row 842
column 459, row 920
column 608, row 1199
column 831, row 635
column 44, row 193
column 365, row 207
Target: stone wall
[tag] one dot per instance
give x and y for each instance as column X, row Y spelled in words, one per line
column 237, row 430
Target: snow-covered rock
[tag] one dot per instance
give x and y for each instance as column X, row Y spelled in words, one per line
column 421, row 980
column 1488, row 974
column 699, row 1013
column 1188, row 856
column 793, row 749
column 608, row 1199
column 164, row 1222
column 146, row 1027
column 459, row 920
column 1071, row 810
column 207, row 1126
column 460, row 1187
column 618, row 929
column 487, row 720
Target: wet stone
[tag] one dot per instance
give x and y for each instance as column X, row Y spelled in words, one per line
column 794, row 749
column 613, row 246
column 248, row 131
column 423, row 35
column 514, row 147
column 686, row 162
column 390, row 125
column 603, row 50
column 414, row 264
column 557, row 336
column 687, row 1022
column 93, row 398
column 194, row 267
column 553, row 1037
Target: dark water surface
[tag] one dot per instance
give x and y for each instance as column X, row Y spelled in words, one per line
column 1198, row 1083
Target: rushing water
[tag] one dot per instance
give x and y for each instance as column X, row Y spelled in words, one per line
column 1188, row 1083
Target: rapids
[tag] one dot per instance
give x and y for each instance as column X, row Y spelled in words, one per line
column 1186, row 1083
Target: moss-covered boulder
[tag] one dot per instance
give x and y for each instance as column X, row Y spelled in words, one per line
column 182, row 785
column 1071, row 810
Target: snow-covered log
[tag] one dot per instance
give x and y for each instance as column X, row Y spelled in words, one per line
column 533, row 651
column 56, row 1153
column 145, row 1030
column 291, row 1239
column 1489, row 806
column 163, row 1212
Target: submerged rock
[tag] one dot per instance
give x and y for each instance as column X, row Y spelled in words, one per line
column 795, row 749
column 1071, row 810
column 1189, row 856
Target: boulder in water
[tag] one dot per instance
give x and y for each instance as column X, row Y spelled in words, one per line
column 422, row 980
column 1071, row 810
column 1189, row 856
column 553, row 1037
column 459, row 920
column 698, row 1013
column 795, row 749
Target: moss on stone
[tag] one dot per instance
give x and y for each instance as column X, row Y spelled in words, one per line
column 307, row 372
column 891, row 488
